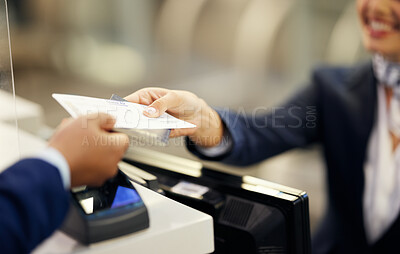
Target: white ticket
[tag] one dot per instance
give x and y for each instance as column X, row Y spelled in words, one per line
column 128, row 115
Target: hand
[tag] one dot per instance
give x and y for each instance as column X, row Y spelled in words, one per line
column 90, row 149
column 185, row 106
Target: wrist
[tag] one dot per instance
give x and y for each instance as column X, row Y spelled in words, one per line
column 210, row 130
column 54, row 157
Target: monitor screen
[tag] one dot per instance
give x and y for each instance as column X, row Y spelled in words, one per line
column 116, row 192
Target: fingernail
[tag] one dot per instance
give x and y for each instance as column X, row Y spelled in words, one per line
column 151, row 110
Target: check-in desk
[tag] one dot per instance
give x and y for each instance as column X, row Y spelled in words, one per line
column 174, row 228
column 249, row 215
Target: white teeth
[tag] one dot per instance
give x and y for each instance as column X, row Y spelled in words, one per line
column 380, row 27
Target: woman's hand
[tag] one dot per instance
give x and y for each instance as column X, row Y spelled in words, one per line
column 185, row 106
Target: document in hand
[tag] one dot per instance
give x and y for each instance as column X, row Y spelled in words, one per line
column 128, row 115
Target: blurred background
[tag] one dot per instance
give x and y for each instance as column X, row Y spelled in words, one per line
column 241, row 54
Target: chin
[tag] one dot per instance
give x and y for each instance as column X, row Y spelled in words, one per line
column 385, row 48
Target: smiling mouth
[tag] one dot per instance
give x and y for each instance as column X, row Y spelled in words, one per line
column 379, row 28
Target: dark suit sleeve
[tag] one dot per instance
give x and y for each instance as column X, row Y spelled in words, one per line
column 33, row 203
column 259, row 136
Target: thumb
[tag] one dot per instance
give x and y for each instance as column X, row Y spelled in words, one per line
column 159, row 106
column 105, row 121
column 65, row 121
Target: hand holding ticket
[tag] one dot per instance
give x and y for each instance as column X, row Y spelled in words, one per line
column 127, row 115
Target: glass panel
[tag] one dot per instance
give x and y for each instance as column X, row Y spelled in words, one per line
column 9, row 145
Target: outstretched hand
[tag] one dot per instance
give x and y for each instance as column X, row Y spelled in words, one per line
column 91, row 150
column 185, row 106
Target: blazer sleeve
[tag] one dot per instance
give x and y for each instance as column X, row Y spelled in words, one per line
column 33, row 203
column 259, row 136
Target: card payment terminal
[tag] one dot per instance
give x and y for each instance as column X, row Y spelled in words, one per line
column 109, row 211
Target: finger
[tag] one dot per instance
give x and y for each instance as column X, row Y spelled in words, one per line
column 181, row 132
column 63, row 125
column 111, row 172
column 120, row 141
column 65, row 121
column 140, row 97
column 134, row 97
column 105, row 122
column 146, row 96
column 173, row 133
column 159, row 106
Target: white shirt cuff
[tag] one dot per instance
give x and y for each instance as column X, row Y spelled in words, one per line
column 223, row 147
column 55, row 158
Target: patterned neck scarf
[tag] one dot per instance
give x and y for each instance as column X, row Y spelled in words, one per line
column 388, row 74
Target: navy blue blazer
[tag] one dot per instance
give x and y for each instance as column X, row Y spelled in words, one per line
column 33, row 203
column 337, row 110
